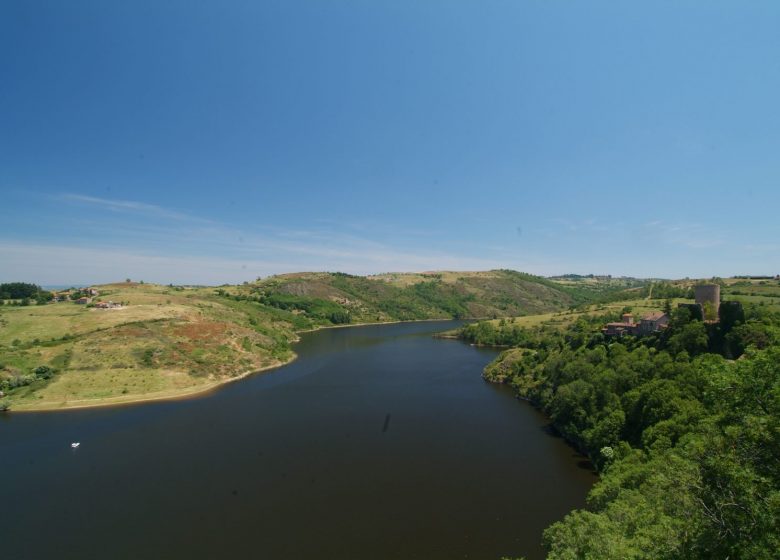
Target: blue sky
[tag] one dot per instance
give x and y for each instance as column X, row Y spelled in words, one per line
column 211, row 142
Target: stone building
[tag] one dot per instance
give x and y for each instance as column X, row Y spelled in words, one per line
column 648, row 324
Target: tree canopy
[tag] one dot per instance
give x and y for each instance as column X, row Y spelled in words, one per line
column 18, row 290
column 686, row 439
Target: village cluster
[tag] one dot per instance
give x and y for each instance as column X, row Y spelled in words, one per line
column 706, row 307
column 87, row 297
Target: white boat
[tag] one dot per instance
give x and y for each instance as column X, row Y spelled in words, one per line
column 75, row 444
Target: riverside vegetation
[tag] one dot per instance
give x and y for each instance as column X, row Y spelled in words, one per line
column 683, row 426
column 170, row 341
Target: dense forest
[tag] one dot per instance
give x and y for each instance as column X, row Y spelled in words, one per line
column 683, row 427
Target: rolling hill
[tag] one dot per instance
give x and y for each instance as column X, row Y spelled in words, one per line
column 169, row 341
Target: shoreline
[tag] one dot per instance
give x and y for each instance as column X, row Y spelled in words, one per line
column 197, row 391
column 183, row 394
column 323, row 327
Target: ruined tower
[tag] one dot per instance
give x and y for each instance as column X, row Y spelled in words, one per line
column 708, row 296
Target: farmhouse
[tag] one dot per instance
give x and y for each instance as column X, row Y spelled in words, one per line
column 653, row 322
column 619, row 328
column 648, row 324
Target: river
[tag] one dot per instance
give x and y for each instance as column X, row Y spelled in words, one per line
column 378, row 442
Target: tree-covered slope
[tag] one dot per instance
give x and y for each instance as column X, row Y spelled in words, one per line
column 684, row 427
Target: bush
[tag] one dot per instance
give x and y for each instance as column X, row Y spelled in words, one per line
column 147, row 357
column 339, row 317
column 43, row 372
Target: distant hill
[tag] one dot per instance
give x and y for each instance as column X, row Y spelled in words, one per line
column 344, row 298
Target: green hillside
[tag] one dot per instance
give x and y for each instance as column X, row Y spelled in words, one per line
column 167, row 341
column 322, row 298
column 162, row 342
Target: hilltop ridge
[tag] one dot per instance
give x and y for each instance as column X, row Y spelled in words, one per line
column 425, row 295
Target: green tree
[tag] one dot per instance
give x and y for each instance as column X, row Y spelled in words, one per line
column 606, row 432
column 44, row 372
column 709, row 311
column 753, row 333
column 18, row 290
column 691, row 338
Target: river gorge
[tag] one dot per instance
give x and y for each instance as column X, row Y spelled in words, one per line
column 378, row 442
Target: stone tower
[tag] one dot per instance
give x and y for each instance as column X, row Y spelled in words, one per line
column 708, row 295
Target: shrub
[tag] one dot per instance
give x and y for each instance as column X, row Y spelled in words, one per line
column 44, row 372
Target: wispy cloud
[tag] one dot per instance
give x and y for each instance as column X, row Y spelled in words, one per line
column 577, row 226
column 165, row 245
column 690, row 235
column 60, row 264
column 106, row 239
column 130, row 206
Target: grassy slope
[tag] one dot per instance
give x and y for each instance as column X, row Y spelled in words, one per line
column 390, row 297
column 167, row 342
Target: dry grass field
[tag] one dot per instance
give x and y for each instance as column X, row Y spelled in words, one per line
column 165, row 342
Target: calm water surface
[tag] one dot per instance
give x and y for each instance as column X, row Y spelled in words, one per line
column 377, row 443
